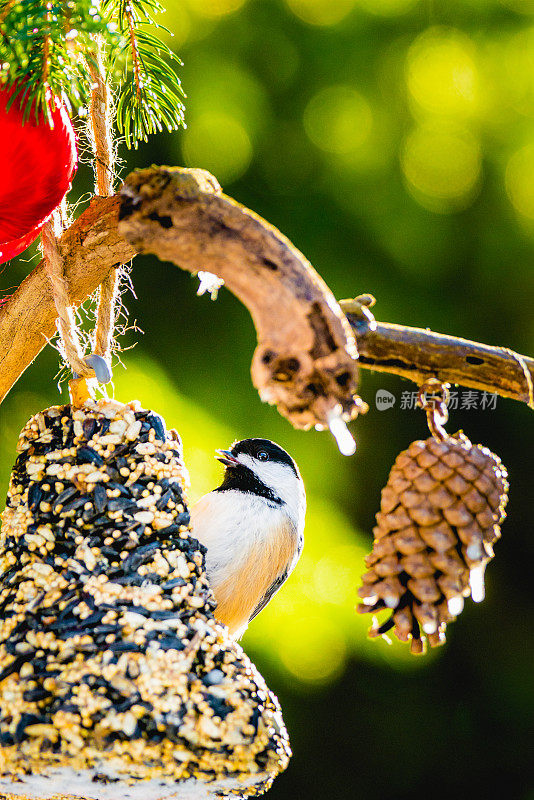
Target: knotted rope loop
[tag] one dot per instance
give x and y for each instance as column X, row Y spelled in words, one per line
column 66, row 323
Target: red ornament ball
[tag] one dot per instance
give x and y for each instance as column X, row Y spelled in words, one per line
column 37, row 164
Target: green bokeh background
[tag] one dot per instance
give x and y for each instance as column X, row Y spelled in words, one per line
column 393, row 142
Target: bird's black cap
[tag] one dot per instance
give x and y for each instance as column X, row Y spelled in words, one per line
column 240, row 477
column 255, row 447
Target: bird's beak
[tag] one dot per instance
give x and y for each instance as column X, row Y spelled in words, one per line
column 226, row 458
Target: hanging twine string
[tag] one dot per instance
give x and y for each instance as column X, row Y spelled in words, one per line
column 100, row 127
column 66, row 322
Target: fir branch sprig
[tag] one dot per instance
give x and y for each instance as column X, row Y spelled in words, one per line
column 151, row 93
column 45, row 49
column 40, row 46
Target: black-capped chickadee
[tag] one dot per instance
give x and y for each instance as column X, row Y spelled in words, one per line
column 252, row 526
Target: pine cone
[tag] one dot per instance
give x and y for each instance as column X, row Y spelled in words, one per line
column 439, row 517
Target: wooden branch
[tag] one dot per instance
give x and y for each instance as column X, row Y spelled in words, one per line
column 304, row 360
column 419, row 354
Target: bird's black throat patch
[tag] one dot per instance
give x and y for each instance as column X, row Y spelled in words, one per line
column 244, row 479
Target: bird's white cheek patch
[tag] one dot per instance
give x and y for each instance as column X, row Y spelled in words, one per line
column 279, row 478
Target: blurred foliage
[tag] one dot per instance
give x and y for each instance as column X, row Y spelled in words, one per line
column 393, row 142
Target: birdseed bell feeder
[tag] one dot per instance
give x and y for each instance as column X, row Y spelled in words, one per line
column 116, row 681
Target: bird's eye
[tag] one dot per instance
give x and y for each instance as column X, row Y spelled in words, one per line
column 262, row 456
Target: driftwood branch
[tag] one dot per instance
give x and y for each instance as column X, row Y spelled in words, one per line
column 419, row 354
column 306, row 346
column 305, row 359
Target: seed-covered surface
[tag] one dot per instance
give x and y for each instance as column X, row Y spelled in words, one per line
column 439, row 517
column 116, row 681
